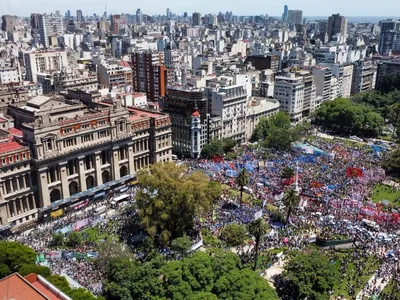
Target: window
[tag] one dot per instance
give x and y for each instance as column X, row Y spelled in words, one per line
column 49, row 144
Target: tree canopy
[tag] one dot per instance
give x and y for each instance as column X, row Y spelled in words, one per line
column 310, row 276
column 345, row 117
column 13, row 255
column 214, row 275
column 392, row 163
column 169, row 198
column 218, row 148
column 233, row 234
column 275, row 132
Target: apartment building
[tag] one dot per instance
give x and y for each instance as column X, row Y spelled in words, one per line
column 149, row 74
column 44, row 62
column 50, row 26
column 364, row 76
column 112, row 75
column 230, row 104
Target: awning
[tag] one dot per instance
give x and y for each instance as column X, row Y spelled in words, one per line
column 99, row 195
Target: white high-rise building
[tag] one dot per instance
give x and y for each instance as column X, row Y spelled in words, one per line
column 49, row 26
column 296, row 94
column 230, row 104
column 44, row 62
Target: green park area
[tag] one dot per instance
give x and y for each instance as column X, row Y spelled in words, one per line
column 235, row 193
column 352, row 276
column 384, row 192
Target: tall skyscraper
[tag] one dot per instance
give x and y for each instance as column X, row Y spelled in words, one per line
column 285, row 14
column 168, row 13
column 79, row 15
column 116, row 23
column 295, row 17
column 337, row 24
column 196, row 19
column 35, row 21
column 389, row 40
column 139, row 16
column 49, row 26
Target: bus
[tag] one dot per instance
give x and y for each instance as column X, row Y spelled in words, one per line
column 174, row 157
column 100, row 210
column 119, row 199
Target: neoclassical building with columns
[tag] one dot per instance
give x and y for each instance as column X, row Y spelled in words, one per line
column 72, row 149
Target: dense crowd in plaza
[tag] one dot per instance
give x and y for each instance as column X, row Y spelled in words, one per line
column 335, row 181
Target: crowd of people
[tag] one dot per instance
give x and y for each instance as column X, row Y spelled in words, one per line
column 335, row 183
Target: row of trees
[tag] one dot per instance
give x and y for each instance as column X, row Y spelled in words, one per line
column 342, row 116
column 200, row 276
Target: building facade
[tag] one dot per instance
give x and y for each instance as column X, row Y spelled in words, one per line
column 364, row 76
column 149, row 74
column 44, row 62
column 69, row 149
column 50, row 26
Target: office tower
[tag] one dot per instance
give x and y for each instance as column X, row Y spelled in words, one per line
column 79, row 15
column 68, row 14
column 185, row 15
column 149, row 74
column 139, row 16
column 196, row 19
column 35, row 21
column 8, row 22
column 295, row 17
column 389, row 40
column 116, row 22
column 337, row 24
column 49, row 26
column 169, row 13
column 285, row 14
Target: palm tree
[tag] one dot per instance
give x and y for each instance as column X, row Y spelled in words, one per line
column 242, row 180
column 290, row 199
column 258, row 228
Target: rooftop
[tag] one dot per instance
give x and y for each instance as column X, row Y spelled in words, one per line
column 9, row 147
column 16, row 287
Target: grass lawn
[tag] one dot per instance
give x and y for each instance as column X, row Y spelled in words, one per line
column 236, row 193
column 340, row 287
column 385, row 192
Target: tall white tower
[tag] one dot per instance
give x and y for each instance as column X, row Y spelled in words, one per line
column 195, row 132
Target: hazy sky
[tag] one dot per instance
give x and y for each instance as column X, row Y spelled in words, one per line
column 254, row 7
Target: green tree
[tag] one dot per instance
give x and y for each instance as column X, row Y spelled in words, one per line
column 14, row 255
column 290, row 199
column 287, row 172
column 242, row 180
column 58, row 239
column 307, row 276
column 279, row 139
column 77, row 294
column 4, row 270
column 243, row 284
column 214, row 148
column 169, row 198
column 228, row 145
column 181, row 245
column 74, row 239
column 39, row 270
column 212, row 275
column 391, row 164
column 258, row 228
column 344, row 117
column 233, row 234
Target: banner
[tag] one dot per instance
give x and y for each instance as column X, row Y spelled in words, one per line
column 57, row 213
column 354, row 172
